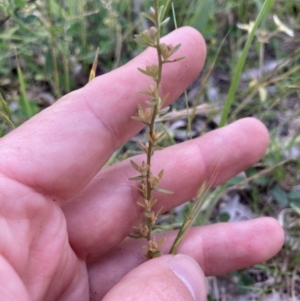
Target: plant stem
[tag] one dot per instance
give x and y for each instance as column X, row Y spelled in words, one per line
column 154, row 113
column 261, row 59
column 51, row 30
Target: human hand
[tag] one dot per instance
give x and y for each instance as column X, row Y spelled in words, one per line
column 65, row 218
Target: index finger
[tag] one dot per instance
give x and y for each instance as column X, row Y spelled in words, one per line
column 60, row 150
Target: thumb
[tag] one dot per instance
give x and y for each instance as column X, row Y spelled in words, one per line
column 164, row 278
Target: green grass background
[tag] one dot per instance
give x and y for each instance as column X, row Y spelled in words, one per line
column 47, row 49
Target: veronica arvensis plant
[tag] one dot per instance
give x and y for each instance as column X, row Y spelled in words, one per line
column 148, row 181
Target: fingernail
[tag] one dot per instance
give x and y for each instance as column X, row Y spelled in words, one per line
column 190, row 273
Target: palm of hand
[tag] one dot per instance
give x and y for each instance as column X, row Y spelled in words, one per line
column 43, row 266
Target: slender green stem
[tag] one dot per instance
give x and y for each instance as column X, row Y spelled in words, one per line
column 261, row 59
column 149, row 155
column 154, row 113
column 158, row 49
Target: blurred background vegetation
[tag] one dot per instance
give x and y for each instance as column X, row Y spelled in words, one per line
column 47, row 49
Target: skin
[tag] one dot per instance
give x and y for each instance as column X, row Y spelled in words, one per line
column 65, row 217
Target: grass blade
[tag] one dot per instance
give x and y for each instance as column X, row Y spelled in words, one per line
column 94, row 67
column 6, row 114
column 195, row 209
column 241, row 62
column 24, row 101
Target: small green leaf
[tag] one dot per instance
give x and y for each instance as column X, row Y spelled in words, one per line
column 160, row 13
column 165, row 98
column 224, row 217
column 263, row 94
column 161, row 135
column 161, row 173
column 179, row 59
column 176, row 48
column 135, row 236
column 152, row 102
column 138, row 178
column 295, row 208
column 279, row 195
column 165, row 191
column 143, row 40
column 156, row 254
column 136, row 187
column 145, row 93
column 148, row 17
column 161, row 242
column 294, row 195
column 146, row 38
column 236, row 180
column 30, row 19
column 141, row 204
column 136, row 118
column 144, row 72
column 134, row 165
column 165, row 21
column 19, row 3
column 262, row 181
column 150, row 138
column 143, row 147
